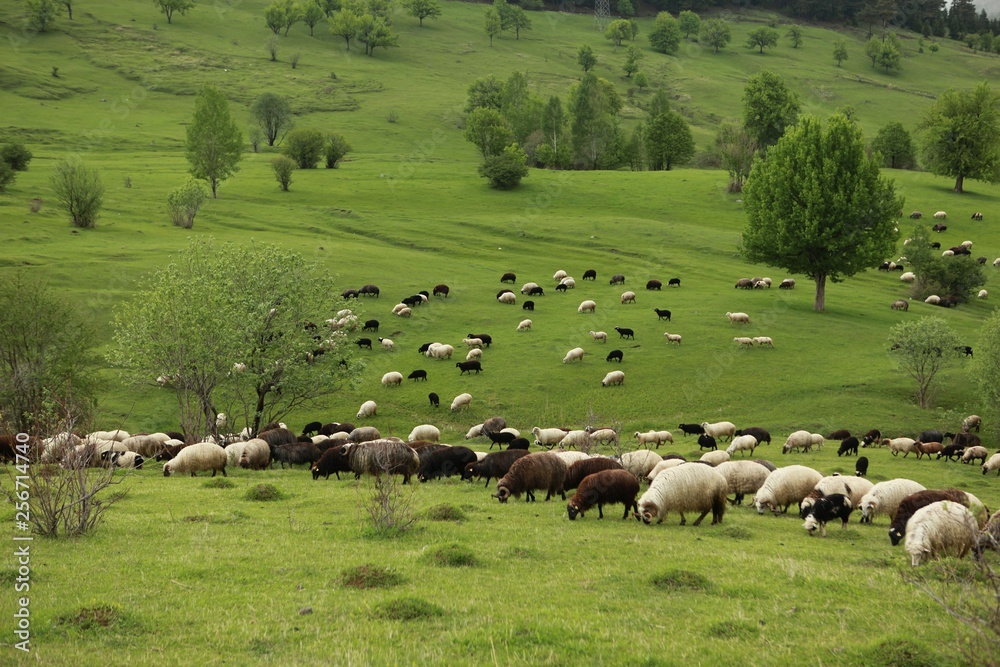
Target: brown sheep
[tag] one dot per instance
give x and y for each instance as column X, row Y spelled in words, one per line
column 579, row 470
column 914, row 501
column 603, row 488
column 494, row 465
column 927, row 448
column 541, row 470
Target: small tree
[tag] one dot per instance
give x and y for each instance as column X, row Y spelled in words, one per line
column 294, row 60
column 79, row 191
column 715, row 33
column 689, row 23
column 272, row 47
column 7, row 176
column 889, row 55
column 840, row 51
column 283, row 167
column 492, row 23
column 668, row 141
column 640, row 80
column 336, row 148
column 505, row 170
column 273, row 115
column 345, row 23
column 795, row 34
column 762, row 37
column 255, row 135
column 586, row 58
column 311, row 14
column 665, row 35
column 305, row 146
column 632, row 58
column 893, row 142
column 16, row 155
column 872, row 49
column 171, row 7
column 737, row 150
column 488, row 130
column 921, row 349
column 423, row 9
column 274, row 17
column 618, row 31
column 214, row 142
column 41, row 14
column 519, row 20
column 184, row 202
column 290, row 15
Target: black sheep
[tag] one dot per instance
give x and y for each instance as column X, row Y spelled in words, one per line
column 469, row 366
column 914, row 501
column 590, row 274
column 653, row 284
column 330, row 461
column 370, row 325
column 508, row 278
column 762, row 435
column 298, row 452
column 418, row 374
column 494, row 465
column 872, row 436
column 528, row 305
column 615, row 355
column 931, row 435
column 433, row 398
column 500, row 438
column 604, row 488
column 952, row 451
column 674, row 282
column 369, row 290
column 445, row 463
column 504, row 291
column 827, row 508
column 561, row 287
column 839, row 434
column 617, row 279
column 861, row 466
column 848, row 446
column 662, row 313
column 536, row 291
column 624, row 332
column 441, row 290
column 486, row 338
column 335, row 427
column 423, row 348
column 541, row 470
column 706, row 441
column 691, row 429
column 349, row 294
column 964, row 349
column 413, row 301
column 312, row 428
column 579, row 470
column 519, row 443
column 364, row 342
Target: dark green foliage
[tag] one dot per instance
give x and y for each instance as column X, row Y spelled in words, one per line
column 895, row 146
column 668, row 141
column 632, row 58
column 423, row 9
column 336, row 148
column 41, row 15
column 769, row 107
column 171, row 7
column 716, row 33
column 689, row 23
column 488, row 130
column 16, row 155
column 795, row 35
column 762, row 37
column 283, row 167
column 665, row 35
column 594, row 106
column 486, row 92
column 959, row 276
column 305, row 146
column 79, row 191
column 214, row 142
column 586, row 58
column 272, row 114
column 7, row 176
column 505, row 170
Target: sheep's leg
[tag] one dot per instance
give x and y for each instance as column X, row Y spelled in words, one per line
column 529, row 496
column 683, row 520
column 600, row 510
column 698, row 520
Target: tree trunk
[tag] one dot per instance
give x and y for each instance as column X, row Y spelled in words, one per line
column 820, row 304
column 215, row 186
column 421, row 21
column 959, row 182
column 69, row 9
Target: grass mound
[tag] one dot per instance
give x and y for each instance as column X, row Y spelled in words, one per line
column 264, row 493
column 407, row 609
column 370, row 576
column 445, row 512
column 681, row 580
column 733, row 630
column 454, row 555
column 900, row 653
column 94, row 617
column 219, row 483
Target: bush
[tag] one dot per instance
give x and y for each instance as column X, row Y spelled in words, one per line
column 184, row 202
column 336, row 148
column 305, row 146
column 960, row 276
column 79, row 191
column 445, row 512
column 16, row 156
column 7, row 176
column 505, row 170
column 283, row 167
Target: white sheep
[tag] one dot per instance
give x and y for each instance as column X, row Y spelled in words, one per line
column 996, row 262
column 548, row 437
column 982, row 294
column 661, row 466
column 587, row 306
column 908, row 277
column 524, row 325
column 741, row 318
column 672, row 338
column 613, row 378
column 941, row 215
column 742, row 478
column 743, row 341
column 817, row 440
column 715, row 457
column 425, row 432
column 473, row 342
column 340, row 436
column 233, row 453
column 199, row 457
column 392, row 379
column 575, row 440
column 884, row 498
column 508, row 298
column 604, row 435
column 601, row 336
column 992, row 464
column 474, row 432
column 762, row 341
column 787, row 283
column 685, row 488
column 559, row 275
column 655, row 438
column 399, row 307
column 897, row 445
column 117, row 436
column 387, row 344
column 513, row 431
column 440, row 351
column 966, row 244
column 240, row 367
column 948, row 253
column 570, row 283
column 720, row 430
column 940, row 529
column 933, row 300
column 527, row 287
column 320, row 439
column 798, row 440
column 405, row 312
column 367, row 409
column 785, row 486
column 475, row 353
column 972, row 422
column 461, row 402
column 128, row 460
column 742, row 443
column 569, row 458
column 576, row 354
column 256, row 454
column 146, row 445
column 628, row 297
column 640, row 462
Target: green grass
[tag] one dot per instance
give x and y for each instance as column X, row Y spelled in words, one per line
column 179, row 574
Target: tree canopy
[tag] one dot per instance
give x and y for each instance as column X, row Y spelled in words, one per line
column 665, row 35
column 961, row 135
column 769, row 107
column 272, row 114
column 214, row 142
column 715, row 33
column 895, row 146
column 921, row 349
column 817, row 205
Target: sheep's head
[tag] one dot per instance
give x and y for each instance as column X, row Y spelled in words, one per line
column 315, row 469
column 502, row 494
column 573, row 510
column 166, row 469
column 811, row 524
column 761, row 505
column 467, row 471
column 895, row 536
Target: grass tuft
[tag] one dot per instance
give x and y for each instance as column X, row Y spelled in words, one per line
column 232, row 517
column 736, row 533
column 370, row 576
column 445, row 512
column 900, row 653
column 454, row 555
column 407, row 609
column 733, row 630
column 264, row 493
column 93, row 618
column 219, row 483
column 682, row 580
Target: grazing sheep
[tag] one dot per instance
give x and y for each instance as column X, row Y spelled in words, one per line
column 928, row 448
column 590, row 274
column 916, row 215
column 744, row 342
column 469, row 366
column 297, row 452
column 672, row 338
column 787, row 283
column 548, row 437
column 128, row 459
column 145, row 445
column 567, row 282
column 742, row 443
column 575, row 440
column 613, row 378
column 662, row 314
column 742, row 477
column 706, row 441
column 528, row 305
column 570, row 457
column 738, row 318
column 624, row 332
column 715, row 457
column 861, row 467
column 640, row 462
column 364, row 434
column 559, row 275
column 854, row 488
column 992, row 464
column 763, row 341
column 461, row 402
column 691, row 429
column 445, row 462
column 275, row 437
column 674, row 282
column 885, row 497
column 524, row 325
column 200, row 457
column 256, row 455
column 367, row 409
column 541, row 470
column 527, row 287
column 744, row 283
column 897, row 445
column 434, row 399
column 972, row 423
column 977, row 216
column 798, row 440
column 827, row 508
column 939, row 529
column 720, row 430
column 982, row 294
column 763, row 436
column 576, row 354
column 587, row 306
column 507, row 298
column 617, row 279
column 989, row 537
column 493, row 465
column 578, row 470
column 405, row 311
column 486, row 339
column 604, row 435
column 817, row 440
column 913, row 502
column 653, row 284
column 392, row 379
column 379, row 457
column 848, row 446
column 474, row 353
column 908, row 277
column 655, row 438
column 628, row 297
column 331, row 461
column 900, row 304
column 508, row 278
column 601, row 336
column 473, row 342
column 933, row 300
column 425, row 432
column 940, row 215
column 116, row 436
column 615, row 355
column 684, row 488
column 663, row 465
column 785, row 486
column 605, row 487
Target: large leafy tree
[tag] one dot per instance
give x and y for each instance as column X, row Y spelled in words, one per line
column 817, row 205
column 231, row 325
column 423, row 9
column 665, row 36
column 668, row 141
column 961, row 135
column 895, row 146
column 345, row 23
column 594, row 107
column 488, row 130
column 272, row 114
column 769, row 107
column 214, row 142
column 374, row 31
column 715, row 33
column 761, row 37
column 922, row 349
column 689, row 23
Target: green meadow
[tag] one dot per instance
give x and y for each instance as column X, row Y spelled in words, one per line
column 183, row 572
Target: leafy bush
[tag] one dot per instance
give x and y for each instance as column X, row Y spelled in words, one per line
column 184, row 202
column 445, row 512
column 505, row 170
column 959, row 276
column 305, row 146
column 336, row 148
column 79, row 191
column 7, row 176
column 16, row 156
column 283, row 167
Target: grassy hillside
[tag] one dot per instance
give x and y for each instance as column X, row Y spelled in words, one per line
column 407, row 211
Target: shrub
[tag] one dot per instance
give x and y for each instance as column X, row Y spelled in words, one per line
column 283, row 167
column 7, row 176
column 184, row 202
column 445, row 512
column 219, row 483
column 79, row 191
column 505, row 170
column 959, row 276
column 305, row 146
column 454, row 555
column 264, row 493
column 336, row 148
column 681, row 580
column 16, row 156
